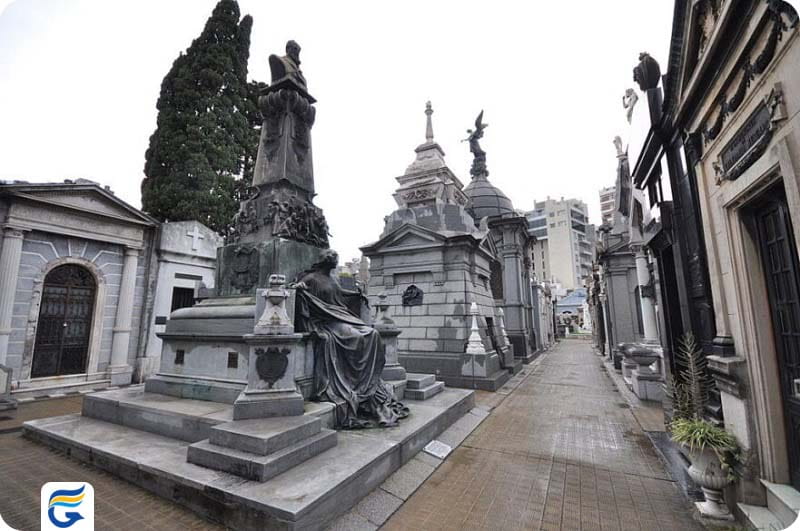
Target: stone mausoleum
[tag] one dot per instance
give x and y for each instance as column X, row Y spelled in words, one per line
column 86, row 280
column 444, row 248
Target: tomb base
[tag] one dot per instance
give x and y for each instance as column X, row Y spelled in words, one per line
column 304, row 485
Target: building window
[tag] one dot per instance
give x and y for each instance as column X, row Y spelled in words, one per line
column 233, row 360
column 182, row 298
column 179, row 357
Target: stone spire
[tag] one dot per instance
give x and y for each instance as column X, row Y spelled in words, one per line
column 430, row 155
column 429, row 125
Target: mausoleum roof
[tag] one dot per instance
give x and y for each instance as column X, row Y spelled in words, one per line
column 485, row 199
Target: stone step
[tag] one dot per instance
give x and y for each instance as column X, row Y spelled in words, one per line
column 419, row 381
column 259, row 467
column 308, row 496
column 180, row 418
column 783, row 501
column 760, row 517
column 426, row 392
column 399, row 387
column 264, row 436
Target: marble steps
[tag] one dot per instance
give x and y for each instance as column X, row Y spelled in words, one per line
column 758, row 517
column 260, row 449
column 186, row 419
column 419, row 381
column 258, row 467
column 422, row 386
column 783, row 507
column 426, row 392
column 784, row 501
column 309, row 495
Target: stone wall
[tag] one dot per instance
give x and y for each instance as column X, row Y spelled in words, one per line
column 434, row 333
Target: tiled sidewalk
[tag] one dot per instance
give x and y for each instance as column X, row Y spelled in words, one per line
column 563, row 451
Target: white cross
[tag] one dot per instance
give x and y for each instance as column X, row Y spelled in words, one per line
column 195, row 234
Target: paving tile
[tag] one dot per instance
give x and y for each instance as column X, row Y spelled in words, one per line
column 562, row 441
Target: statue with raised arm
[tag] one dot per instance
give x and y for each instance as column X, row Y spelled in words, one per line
column 348, row 353
column 478, row 154
column 288, row 66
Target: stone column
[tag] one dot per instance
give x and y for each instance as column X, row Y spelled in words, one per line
column 120, row 370
column 648, row 307
column 9, row 272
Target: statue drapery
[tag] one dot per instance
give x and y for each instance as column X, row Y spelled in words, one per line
column 349, row 355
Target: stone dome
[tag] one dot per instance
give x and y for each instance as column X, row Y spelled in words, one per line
column 486, row 200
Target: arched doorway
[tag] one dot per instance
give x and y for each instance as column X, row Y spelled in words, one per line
column 65, row 322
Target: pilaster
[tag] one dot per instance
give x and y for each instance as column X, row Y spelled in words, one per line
column 9, row 273
column 120, row 370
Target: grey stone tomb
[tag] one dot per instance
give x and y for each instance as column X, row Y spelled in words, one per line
column 223, row 428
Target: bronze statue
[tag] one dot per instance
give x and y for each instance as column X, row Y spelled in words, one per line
column 288, row 66
column 349, row 355
column 478, row 154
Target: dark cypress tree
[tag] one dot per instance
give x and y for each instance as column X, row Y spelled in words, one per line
column 204, row 134
column 255, row 120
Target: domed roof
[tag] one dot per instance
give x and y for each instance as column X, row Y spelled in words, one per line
column 486, row 200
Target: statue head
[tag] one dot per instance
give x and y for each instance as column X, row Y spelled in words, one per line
column 329, row 260
column 293, row 51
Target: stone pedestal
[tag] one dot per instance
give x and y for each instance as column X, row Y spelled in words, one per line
column 386, row 327
column 271, row 390
column 392, row 370
column 645, row 382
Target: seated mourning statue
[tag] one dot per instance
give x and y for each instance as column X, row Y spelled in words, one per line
column 349, row 355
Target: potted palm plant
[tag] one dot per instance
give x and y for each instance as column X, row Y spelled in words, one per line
column 713, row 452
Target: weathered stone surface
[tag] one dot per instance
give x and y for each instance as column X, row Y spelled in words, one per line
column 311, row 494
column 264, row 436
column 240, row 273
column 419, row 381
column 426, row 392
column 259, row 467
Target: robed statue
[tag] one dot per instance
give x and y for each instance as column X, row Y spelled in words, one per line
column 288, row 66
column 349, row 355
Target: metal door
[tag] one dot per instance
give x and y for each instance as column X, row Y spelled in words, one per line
column 65, row 322
column 780, row 263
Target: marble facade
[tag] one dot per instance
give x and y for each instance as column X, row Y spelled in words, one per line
column 134, row 263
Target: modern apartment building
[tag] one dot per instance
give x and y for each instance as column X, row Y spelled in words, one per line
column 607, row 204
column 565, row 244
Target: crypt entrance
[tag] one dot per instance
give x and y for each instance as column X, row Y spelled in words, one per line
column 64, row 326
column 771, row 226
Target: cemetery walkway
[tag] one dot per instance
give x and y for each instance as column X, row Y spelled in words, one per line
column 562, row 451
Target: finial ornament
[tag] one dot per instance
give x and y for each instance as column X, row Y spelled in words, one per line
column 429, row 124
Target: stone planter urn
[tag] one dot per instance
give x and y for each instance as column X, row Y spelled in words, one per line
column 707, row 472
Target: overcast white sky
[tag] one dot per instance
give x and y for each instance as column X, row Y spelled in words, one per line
column 79, row 82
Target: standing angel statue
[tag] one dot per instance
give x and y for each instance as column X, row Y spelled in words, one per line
column 479, row 155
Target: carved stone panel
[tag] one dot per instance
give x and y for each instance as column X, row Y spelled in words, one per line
column 412, row 296
column 272, row 363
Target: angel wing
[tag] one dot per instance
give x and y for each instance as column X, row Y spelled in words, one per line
column 479, row 125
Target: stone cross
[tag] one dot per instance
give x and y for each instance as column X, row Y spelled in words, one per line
column 195, row 234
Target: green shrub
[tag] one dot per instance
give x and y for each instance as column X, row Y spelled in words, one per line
column 698, row 434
